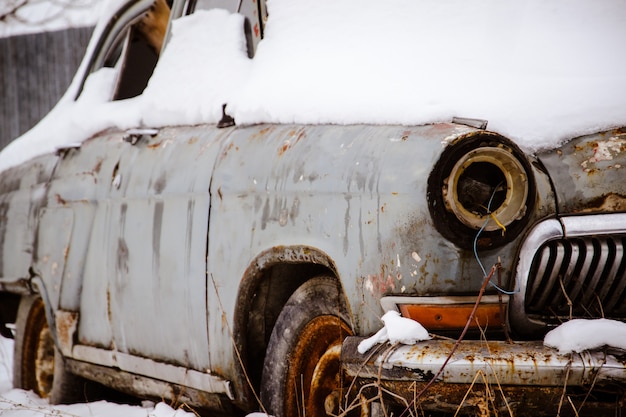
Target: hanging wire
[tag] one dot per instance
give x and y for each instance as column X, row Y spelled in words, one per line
column 492, row 215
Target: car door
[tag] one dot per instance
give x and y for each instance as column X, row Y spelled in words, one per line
column 145, row 273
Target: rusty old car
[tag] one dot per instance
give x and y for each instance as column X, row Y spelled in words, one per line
column 236, row 268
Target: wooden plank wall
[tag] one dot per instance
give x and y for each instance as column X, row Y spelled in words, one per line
column 35, row 71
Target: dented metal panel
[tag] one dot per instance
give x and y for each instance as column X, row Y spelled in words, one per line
column 148, row 248
column 22, row 195
column 526, row 378
column 506, row 363
column 356, row 193
column 145, row 269
column 588, row 173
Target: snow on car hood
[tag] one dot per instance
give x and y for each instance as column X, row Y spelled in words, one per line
column 540, row 72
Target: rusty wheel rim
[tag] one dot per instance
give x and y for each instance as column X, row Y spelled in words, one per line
column 44, row 363
column 38, row 366
column 314, row 376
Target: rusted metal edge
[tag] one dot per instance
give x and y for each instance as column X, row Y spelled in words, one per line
column 149, row 387
column 66, row 323
column 519, row 363
column 179, row 375
column 16, row 285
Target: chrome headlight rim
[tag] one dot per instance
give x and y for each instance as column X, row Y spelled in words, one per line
column 506, row 191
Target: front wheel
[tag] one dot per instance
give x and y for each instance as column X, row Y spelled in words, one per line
column 302, row 372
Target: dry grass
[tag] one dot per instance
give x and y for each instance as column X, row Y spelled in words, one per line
column 480, row 398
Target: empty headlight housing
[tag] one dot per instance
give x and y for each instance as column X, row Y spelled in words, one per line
column 482, row 190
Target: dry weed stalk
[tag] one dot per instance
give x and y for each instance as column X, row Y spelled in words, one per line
column 460, row 339
column 360, row 400
column 569, row 301
column 568, row 367
column 232, row 339
column 483, row 401
column 600, row 305
column 411, row 407
column 593, row 384
column 187, row 408
column 573, row 407
column 43, row 410
column 595, row 379
column 483, row 337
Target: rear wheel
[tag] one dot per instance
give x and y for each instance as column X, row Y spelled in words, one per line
column 37, row 363
column 302, row 372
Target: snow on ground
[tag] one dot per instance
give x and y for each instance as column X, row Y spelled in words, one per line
column 20, row 403
column 540, row 72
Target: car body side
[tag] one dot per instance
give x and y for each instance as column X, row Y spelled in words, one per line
column 165, row 256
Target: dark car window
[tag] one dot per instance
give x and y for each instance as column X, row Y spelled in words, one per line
column 136, row 67
column 144, row 42
column 131, row 41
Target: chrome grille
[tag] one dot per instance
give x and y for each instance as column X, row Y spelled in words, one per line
column 587, row 272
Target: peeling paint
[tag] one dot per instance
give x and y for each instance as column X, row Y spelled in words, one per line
column 378, row 284
column 605, row 150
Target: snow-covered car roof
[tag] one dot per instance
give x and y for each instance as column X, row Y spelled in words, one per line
column 539, row 72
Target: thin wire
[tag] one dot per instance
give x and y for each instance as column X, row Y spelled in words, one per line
column 502, row 290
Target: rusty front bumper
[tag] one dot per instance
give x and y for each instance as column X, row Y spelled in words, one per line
column 525, row 377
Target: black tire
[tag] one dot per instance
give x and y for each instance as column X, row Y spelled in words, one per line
column 301, row 372
column 37, row 363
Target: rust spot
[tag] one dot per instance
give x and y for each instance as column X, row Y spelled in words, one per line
column 154, row 145
column 109, row 311
column 484, row 242
column 66, row 322
column 380, row 283
column 60, row 199
column 607, row 202
column 285, row 146
column 260, row 134
column 98, row 167
column 228, row 149
column 192, row 140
